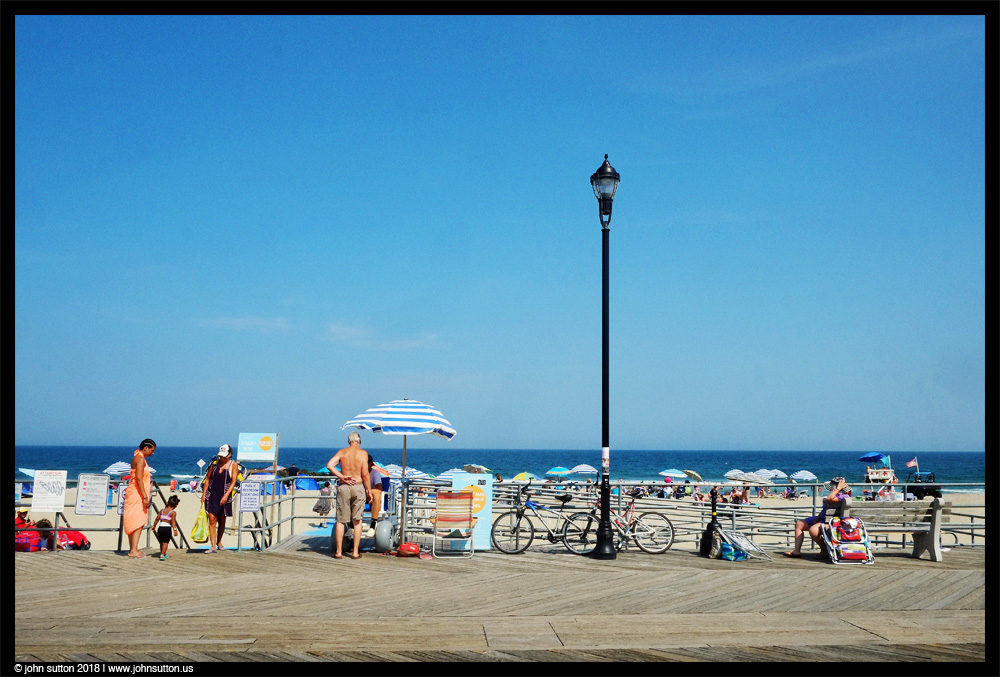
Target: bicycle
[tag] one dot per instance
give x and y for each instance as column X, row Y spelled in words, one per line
column 513, row 532
column 651, row 531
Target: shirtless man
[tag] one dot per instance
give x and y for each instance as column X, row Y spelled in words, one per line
column 353, row 461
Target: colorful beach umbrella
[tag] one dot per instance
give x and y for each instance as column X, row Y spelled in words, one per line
column 693, row 475
column 583, row 469
column 475, row 468
column 558, row 470
column 524, row 477
column 403, row 417
column 673, row 472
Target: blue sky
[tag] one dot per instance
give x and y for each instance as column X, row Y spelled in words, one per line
column 244, row 224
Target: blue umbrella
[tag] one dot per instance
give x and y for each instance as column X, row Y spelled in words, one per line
column 673, row 472
column 558, row 470
column 803, row 475
column 403, row 417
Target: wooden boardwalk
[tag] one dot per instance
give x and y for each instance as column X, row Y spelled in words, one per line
column 296, row 603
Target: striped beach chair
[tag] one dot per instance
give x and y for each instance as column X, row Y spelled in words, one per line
column 453, row 521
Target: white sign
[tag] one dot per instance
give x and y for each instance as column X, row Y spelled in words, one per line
column 201, row 463
column 50, row 491
column 92, row 494
column 121, row 497
column 250, row 496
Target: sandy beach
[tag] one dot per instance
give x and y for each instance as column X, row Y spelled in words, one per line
column 187, row 511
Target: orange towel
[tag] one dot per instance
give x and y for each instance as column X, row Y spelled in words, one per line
column 133, row 516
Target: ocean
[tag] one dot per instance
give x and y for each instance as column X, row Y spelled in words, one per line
column 627, row 465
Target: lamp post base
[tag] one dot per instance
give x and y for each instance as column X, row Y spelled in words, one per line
column 605, row 548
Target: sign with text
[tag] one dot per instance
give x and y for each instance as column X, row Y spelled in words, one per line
column 481, row 486
column 92, row 494
column 250, row 496
column 50, row 491
column 122, row 488
column 257, row 447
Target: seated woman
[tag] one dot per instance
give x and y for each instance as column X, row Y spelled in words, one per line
column 837, row 497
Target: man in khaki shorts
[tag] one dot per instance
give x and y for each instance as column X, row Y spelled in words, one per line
column 354, row 491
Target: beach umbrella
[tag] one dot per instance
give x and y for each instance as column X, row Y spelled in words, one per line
column 117, row 468
column 403, row 417
column 583, row 468
column 803, row 476
column 874, row 457
column 524, row 477
column 764, row 472
column 673, row 472
column 693, row 475
column 558, row 470
column 448, row 474
column 759, row 479
column 475, row 468
column 734, row 474
column 29, row 472
column 777, row 474
column 396, row 472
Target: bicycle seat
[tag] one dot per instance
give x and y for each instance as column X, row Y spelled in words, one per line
column 564, row 498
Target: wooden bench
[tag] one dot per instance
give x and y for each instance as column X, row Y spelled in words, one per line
column 921, row 519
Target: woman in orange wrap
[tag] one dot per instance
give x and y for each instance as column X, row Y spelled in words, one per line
column 136, row 510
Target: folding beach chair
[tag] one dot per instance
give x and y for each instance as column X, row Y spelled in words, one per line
column 453, row 523
column 744, row 543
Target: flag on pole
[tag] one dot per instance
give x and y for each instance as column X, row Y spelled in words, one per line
column 910, row 464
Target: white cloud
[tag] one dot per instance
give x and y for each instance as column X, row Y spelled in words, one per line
column 359, row 337
column 258, row 324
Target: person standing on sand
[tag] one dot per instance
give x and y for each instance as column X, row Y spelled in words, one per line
column 135, row 512
column 351, row 497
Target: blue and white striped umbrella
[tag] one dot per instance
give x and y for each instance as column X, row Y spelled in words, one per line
column 803, row 476
column 117, row 468
column 403, row 417
column 448, row 474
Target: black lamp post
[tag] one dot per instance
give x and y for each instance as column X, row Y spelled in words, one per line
column 605, row 183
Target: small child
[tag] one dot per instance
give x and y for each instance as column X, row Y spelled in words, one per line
column 167, row 519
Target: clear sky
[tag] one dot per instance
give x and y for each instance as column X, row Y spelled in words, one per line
column 250, row 224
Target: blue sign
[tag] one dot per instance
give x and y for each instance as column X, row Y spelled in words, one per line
column 257, row 447
column 481, row 486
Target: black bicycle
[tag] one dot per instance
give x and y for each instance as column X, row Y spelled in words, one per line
column 514, row 531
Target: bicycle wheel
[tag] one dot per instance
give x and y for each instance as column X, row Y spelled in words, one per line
column 653, row 532
column 579, row 533
column 512, row 533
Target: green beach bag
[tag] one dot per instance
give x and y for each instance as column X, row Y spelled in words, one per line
column 199, row 534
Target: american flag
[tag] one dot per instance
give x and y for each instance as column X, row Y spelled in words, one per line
column 910, row 464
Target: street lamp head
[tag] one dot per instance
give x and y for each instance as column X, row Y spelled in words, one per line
column 605, row 183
